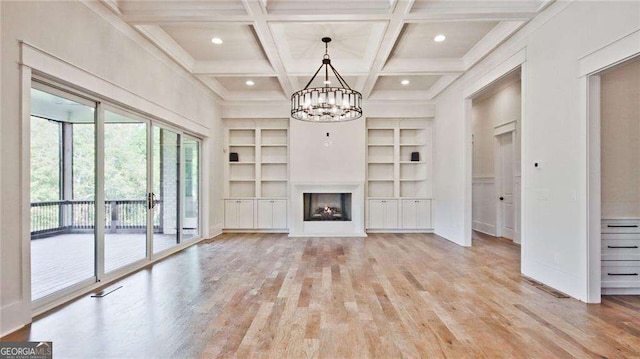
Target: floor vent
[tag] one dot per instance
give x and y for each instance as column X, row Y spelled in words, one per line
column 545, row 288
column 105, row 292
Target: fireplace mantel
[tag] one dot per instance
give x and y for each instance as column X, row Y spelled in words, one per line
column 353, row 228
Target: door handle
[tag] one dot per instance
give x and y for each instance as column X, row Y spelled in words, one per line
column 624, row 247
column 502, row 198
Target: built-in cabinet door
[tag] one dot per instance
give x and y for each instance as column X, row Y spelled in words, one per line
column 409, row 214
column 376, row 214
column 279, row 214
column 383, row 214
column 238, row 213
column 416, row 214
column 265, row 214
column 231, row 214
column 245, row 214
column 272, row 214
column 423, row 212
column 391, row 214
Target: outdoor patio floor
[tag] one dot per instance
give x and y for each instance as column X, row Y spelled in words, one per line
column 64, row 260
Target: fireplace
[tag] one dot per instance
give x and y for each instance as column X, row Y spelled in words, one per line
column 327, row 207
column 329, row 199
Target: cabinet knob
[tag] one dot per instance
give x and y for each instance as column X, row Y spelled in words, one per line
column 502, row 198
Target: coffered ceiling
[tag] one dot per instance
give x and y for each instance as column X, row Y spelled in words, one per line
column 270, row 48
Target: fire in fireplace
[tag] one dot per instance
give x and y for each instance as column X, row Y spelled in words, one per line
column 327, row 206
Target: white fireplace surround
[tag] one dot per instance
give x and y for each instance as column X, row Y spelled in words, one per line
column 353, row 228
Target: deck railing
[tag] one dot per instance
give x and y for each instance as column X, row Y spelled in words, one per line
column 57, row 217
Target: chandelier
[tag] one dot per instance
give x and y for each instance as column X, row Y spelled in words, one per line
column 328, row 103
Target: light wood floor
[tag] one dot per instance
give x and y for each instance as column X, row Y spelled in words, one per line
column 386, row 296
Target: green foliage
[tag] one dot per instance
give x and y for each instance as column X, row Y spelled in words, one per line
column 45, row 160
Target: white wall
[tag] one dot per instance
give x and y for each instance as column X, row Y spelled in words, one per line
column 554, row 201
column 110, row 51
column 314, row 157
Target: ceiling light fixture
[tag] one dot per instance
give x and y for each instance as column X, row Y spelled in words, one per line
column 216, row 40
column 405, row 82
column 439, row 38
column 326, row 104
column 250, row 83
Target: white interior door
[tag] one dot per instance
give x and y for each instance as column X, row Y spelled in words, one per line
column 505, row 190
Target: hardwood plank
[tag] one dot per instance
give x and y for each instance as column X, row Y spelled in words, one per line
column 384, row 296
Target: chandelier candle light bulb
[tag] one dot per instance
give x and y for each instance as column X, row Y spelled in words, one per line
column 327, row 103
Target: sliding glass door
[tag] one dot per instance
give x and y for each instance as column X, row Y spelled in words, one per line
column 110, row 191
column 63, row 187
column 166, row 184
column 125, row 189
column 191, row 156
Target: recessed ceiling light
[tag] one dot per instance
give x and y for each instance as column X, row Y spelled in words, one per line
column 405, row 82
column 250, row 83
column 216, row 40
column 439, row 38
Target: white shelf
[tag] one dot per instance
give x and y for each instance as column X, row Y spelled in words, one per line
column 390, row 171
column 262, row 171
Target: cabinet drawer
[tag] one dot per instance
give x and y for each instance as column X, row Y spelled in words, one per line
column 621, row 249
column 621, row 226
column 620, row 274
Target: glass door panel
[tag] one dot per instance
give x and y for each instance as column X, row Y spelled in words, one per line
column 125, row 185
column 63, row 208
column 191, row 156
column 166, row 184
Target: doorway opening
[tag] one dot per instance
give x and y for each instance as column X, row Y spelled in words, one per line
column 614, row 113
column 496, row 178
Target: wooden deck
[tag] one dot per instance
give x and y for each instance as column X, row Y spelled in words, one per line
column 60, row 261
column 385, row 296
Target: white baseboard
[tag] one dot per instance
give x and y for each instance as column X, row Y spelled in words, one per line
column 13, row 317
column 620, row 291
column 255, row 231
column 399, row 230
column 351, row 235
column 215, row 231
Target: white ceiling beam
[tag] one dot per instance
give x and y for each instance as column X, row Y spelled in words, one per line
column 256, row 96
column 255, row 9
column 490, row 41
column 441, row 85
column 399, row 95
column 422, row 66
column 113, row 6
column 468, row 16
column 233, row 67
column 215, row 86
column 168, row 45
column 151, row 17
column 391, row 35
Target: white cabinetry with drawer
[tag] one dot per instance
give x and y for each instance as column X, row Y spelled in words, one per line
column 621, row 256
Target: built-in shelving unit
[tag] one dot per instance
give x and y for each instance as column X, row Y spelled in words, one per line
column 392, row 176
column 261, row 174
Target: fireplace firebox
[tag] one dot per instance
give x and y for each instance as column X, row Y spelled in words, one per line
column 327, row 207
